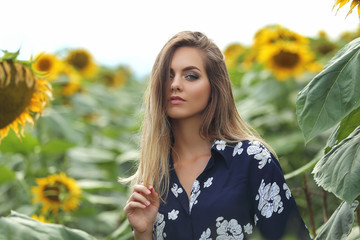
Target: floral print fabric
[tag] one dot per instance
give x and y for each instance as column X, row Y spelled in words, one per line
column 241, row 194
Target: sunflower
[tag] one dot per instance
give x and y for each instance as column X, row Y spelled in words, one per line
column 354, row 3
column 232, row 53
column 70, row 89
column 22, row 95
column 73, row 85
column 48, row 65
column 82, row 61
column 274, row 34
column 117, row 78
column 56, row 192
column 285, row 60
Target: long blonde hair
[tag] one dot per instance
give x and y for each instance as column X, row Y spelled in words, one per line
column 220, row 118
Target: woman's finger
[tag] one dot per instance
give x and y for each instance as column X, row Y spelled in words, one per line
column 133, row 205
column 138, row 197
column 154, row 196
column 141, row 189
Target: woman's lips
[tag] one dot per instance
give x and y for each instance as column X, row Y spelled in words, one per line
column 176, row 100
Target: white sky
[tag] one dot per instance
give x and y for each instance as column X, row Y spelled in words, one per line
column 132, row 32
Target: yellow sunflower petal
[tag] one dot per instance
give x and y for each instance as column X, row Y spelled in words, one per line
column 4, row 132
column 39, row 218
column 353, row 4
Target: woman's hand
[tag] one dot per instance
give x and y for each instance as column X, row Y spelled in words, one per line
column 141, row 210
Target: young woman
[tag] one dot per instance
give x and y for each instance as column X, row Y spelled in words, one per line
column 204, row 173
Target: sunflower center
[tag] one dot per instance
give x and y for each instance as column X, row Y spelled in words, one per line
column 79, row 60
column 55, row 192
column 286, row 59
column 325, row 48
column 16, row 90
column 45, row 64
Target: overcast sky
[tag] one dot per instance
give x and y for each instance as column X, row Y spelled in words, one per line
column 132, row 32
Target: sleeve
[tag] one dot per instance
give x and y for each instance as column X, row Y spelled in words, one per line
column 276, row 215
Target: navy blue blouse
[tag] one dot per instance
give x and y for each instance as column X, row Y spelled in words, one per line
column 241, row 194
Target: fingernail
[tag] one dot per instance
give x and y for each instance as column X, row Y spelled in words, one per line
column 147, row 203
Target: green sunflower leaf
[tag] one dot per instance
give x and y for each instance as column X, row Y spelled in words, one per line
column 9, row 55
column 340, row 222
column 346, row 126
column 56, row 146
column 332, row 94
column 25, row 145
column 6, row 175
column 19, row 226
column 339, row 170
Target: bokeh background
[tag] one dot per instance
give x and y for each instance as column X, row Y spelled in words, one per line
column 63, row 150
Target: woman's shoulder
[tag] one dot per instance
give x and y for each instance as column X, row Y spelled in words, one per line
column 248, row 145
column 245, row 151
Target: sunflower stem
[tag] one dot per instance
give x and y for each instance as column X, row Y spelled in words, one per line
column 309, row 205
column 324, row 198
column 358, row 217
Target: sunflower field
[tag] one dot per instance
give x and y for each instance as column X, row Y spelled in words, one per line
column 69, row 128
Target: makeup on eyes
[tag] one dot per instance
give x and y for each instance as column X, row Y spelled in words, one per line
column 187, row 72
column 192, row 76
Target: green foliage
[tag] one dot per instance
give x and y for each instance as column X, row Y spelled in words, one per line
column 332, row 94
column 6, row 174
column 18, row 226
column 346, row 126
column 9, row 55
column 91, row 137
column 333, row 97
column 339, row 170
column 340, row 224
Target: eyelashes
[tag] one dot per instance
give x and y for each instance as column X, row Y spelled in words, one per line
column 192, row 76
column 188, row 76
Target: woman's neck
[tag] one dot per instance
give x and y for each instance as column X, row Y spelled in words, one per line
column 187, row 140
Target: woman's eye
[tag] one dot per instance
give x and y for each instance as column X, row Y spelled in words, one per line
column 192, row 76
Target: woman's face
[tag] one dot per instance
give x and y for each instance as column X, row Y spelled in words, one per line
column 187, row 91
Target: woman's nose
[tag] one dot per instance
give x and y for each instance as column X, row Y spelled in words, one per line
column 176, row 84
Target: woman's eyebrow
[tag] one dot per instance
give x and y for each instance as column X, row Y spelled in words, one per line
column 186, row 69
column 191, row 68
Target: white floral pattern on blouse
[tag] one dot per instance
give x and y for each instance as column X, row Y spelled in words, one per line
column 195, row 192
column 206, row 235
column 159, row 226
column 173, row 214
column 260, row 153
column 208, row 182
column 248, row 228
column 228, row 230
column 238, row 149
column 287, row 191
column 176, row 190
column 220, row 145
column 269, row 199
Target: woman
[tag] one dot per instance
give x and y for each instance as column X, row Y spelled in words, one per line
column 204, row 173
